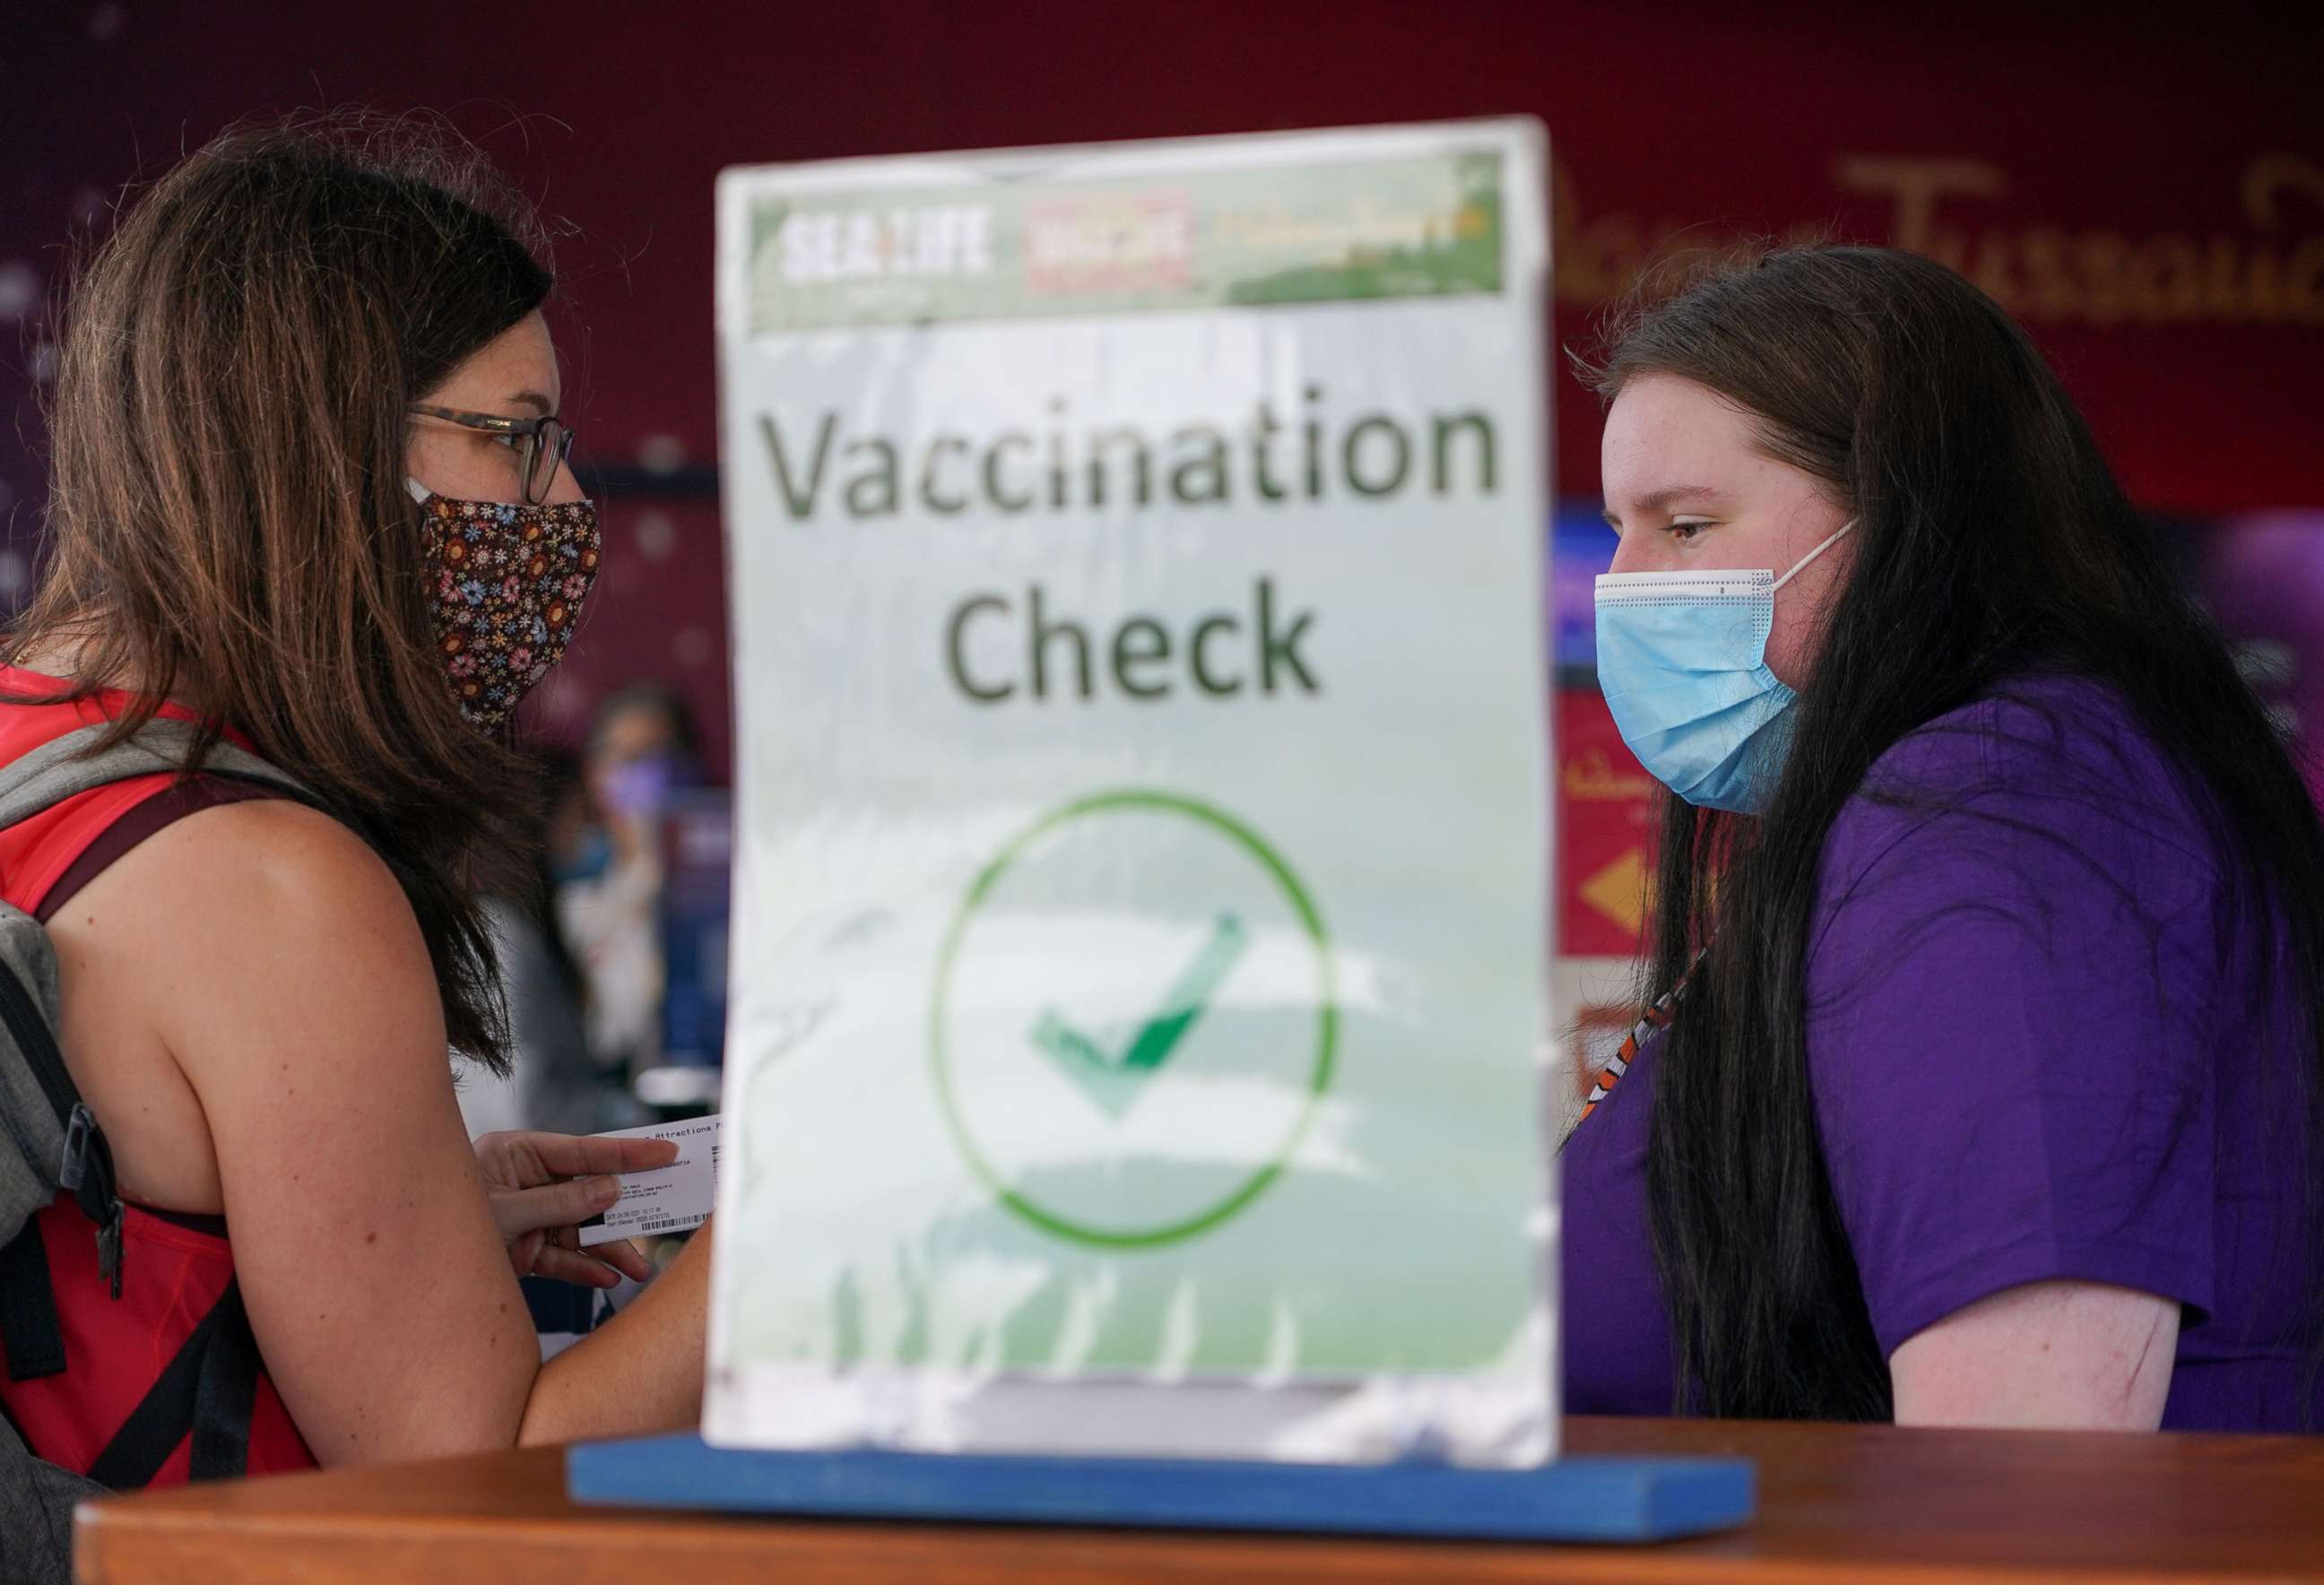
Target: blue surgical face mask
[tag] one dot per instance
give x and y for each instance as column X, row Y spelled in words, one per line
column 1682, row 659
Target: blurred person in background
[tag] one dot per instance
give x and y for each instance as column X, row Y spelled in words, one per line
column 552, row 1083
column 642, row 749
column 310, row 491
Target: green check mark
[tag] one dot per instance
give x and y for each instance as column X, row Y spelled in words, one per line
column 1114, row 1083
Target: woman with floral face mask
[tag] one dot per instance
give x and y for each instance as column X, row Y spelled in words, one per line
column 310, row 495
column 1981, row 1080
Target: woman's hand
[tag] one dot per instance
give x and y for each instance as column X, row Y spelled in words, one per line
column 543, row 1186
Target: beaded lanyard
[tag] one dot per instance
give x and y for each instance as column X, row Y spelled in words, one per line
column 1657, row 1017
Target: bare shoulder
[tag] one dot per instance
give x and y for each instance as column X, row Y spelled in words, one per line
column 255, row 918
column 227, row 954
column 246, row 864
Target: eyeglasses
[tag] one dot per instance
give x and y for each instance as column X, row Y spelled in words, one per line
column 541, row 444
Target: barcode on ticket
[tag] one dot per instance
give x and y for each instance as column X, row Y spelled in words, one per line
column 677, row 1198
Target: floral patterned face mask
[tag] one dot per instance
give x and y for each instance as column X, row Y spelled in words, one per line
column 505, row 584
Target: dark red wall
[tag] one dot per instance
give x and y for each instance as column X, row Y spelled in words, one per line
column 2150, row 196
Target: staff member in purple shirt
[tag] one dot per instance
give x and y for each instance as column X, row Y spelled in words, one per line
column 1981, row 1085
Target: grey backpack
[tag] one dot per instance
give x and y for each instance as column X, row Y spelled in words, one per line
column 52, row 1145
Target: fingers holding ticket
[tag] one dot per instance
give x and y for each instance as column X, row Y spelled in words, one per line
column 672, row 1199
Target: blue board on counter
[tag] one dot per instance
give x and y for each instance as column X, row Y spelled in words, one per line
column 1598, row 1499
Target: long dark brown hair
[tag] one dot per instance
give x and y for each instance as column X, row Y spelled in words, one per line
column 1993, row 543
column 228, row 524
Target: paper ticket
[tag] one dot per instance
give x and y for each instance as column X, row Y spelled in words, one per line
column 669, row 1199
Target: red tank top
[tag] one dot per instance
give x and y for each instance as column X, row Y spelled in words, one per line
column 175, row 1269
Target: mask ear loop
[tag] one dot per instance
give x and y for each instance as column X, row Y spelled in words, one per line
column 1838, row 535
column 420, row 492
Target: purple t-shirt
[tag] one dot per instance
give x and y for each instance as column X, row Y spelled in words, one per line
column 2038, row 1048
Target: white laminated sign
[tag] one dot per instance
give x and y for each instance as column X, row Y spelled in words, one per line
column 1136, row 578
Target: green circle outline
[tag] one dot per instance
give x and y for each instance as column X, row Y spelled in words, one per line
column 1327, row 1031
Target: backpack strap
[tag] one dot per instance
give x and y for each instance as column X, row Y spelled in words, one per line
column 29, row 1328
column 210, row 1386
column 63, row 768
column 150, row 816
column 68, row 766
column 87, row 1169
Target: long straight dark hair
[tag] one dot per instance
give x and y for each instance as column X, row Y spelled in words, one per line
column 227, row 520
column 1993, row 542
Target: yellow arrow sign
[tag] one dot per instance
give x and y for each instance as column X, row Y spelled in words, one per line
column 1618, row 891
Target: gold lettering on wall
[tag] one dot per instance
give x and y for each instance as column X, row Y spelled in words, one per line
column 2272, row 273
column 1593, row 776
